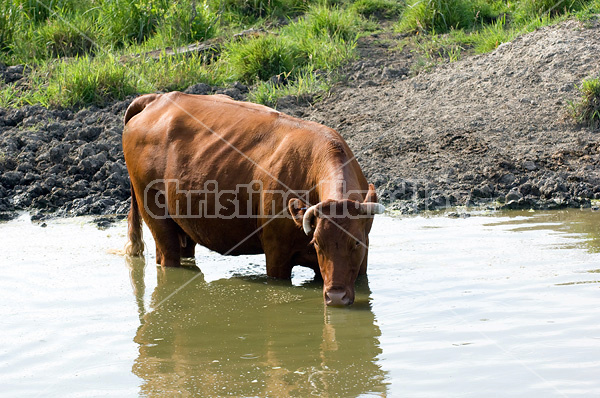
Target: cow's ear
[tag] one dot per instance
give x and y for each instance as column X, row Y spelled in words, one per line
column 371, row 195
column 297, row 208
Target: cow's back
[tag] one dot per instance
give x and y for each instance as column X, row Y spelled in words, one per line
column 200, row 148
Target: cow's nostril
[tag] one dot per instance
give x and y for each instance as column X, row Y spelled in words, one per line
column 337, row 298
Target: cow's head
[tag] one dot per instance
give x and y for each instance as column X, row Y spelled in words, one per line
column 340, row 234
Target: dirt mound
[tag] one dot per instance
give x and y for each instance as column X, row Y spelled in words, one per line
column 487, row 126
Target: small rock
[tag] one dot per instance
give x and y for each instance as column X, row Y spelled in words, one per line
column 459, row 215
column 24, row 167
column 279, row 80
column 507, row 179
column 525, row 189
column 368, row 83
column 390, row 73
column 7, row 216
column 199, row 88
column 103, row 222
column 233, row 93
column 513, row 196
column 15, row 69
column 37, row 216
column 11, row 179
column 89, row 134
column 241, row 87
column 529, row 166
column 484, row 191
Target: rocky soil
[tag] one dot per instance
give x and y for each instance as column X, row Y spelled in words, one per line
column 491, row 127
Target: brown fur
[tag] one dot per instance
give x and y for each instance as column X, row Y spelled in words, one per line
column 135, row 245
column 138, row 105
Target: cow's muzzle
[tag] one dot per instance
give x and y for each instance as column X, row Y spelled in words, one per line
column 338, row 297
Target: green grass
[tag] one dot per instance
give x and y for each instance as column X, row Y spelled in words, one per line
column 381, row 9
column 248, row 12
column 440, row 16
column 323, row 39
column 37, row 11
column 481, row 40
column 8, row 21
column 170, row 73
column 90, row 81
column 189, row 22
column 305, row 85
column 491, row 36
column 80, row 50
column 529, row 9
column 262, row 58
column 79, row 71
column 127, row 21
column 586, row 111
column 333, row 22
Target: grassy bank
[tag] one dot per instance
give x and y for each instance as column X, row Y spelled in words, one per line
column 80, row 52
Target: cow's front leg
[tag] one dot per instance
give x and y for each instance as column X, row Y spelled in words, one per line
column 363, row 266
column 188, row 246
column 279, row 264
column 158, row 256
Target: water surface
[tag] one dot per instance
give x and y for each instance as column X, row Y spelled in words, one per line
column 495, row 305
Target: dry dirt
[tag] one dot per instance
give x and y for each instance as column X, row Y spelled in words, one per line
column 484, row 127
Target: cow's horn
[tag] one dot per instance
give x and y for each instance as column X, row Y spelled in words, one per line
column 307, row 219
column 370, row 208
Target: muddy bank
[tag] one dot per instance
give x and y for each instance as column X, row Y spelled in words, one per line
column 66, row 162
column 60, row 160
column 486, row 129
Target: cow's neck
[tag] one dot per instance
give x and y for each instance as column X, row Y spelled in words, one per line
column 338, row 181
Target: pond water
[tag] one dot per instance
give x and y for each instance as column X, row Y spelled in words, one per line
column 506, row 304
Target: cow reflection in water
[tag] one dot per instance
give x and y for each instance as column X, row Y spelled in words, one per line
column 248, row 336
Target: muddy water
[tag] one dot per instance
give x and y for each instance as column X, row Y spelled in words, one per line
column 495, row 305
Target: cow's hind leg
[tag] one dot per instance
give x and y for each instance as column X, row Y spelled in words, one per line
column 168, row 247
column 187, row 247
column 165, row 231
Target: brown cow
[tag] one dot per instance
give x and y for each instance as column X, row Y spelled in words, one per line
column 240, row 178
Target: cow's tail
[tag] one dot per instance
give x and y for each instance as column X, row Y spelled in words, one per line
column 135, row 244
column 138, row 105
